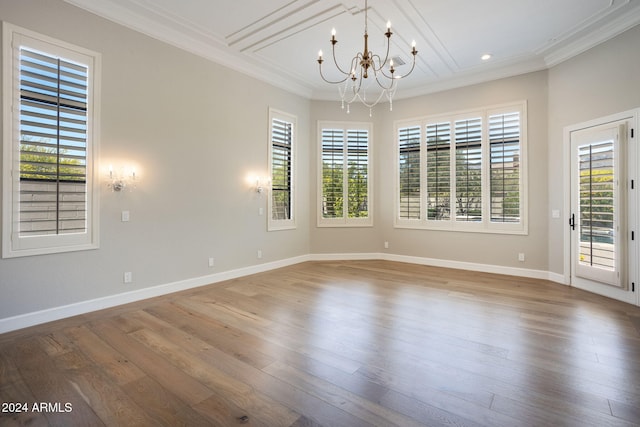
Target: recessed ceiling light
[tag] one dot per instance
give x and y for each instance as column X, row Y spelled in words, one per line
column 486, row 57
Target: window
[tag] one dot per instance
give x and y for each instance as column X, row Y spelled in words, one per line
column 281, row 160
column 50, row 143
column 505, row 143
column 409, row 170
column 463, row 171
column 345, row 174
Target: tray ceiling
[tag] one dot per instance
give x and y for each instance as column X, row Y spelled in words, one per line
column 278, row 40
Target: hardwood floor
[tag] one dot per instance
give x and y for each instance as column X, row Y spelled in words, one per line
column 335, row 344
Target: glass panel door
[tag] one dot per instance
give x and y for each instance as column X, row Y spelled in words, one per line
column 596, row 213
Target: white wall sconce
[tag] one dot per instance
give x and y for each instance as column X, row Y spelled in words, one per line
column 262, row 184
column 122, row 180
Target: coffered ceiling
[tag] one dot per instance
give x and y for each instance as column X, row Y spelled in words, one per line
column 278, row 40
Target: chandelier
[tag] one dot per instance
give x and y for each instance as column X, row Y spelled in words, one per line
column 366, row 66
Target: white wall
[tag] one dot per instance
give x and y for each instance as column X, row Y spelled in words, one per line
column 196, row 130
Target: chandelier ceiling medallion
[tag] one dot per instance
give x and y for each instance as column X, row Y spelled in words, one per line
column 366, row 66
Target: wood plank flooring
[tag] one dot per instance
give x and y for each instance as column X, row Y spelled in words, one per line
column 359, row 343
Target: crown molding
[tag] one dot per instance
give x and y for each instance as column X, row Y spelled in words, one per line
column 191, row 41
column 610, row 30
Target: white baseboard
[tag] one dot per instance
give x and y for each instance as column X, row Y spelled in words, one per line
column 558, row 278
column 43, row 316
column 345, row 257
column 434, row 262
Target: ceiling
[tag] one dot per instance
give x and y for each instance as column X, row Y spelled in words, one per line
column 278, row 40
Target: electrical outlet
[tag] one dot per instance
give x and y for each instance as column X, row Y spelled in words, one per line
column 259, row 253
column 212, row 262
column 521, row 257
column 128, row 277
column 125, row 216
column 386, row 245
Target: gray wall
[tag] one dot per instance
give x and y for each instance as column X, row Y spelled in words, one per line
column 600, row 82
column 482, row 248
column 196, row 130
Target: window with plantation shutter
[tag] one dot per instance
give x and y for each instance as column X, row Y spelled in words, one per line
column 51, row 148
column 468, row 161
column 358, row 173
column 345, row 174
column 504, row 140
column 465, row 173
column 281, row 200
column 53, row 145
column 409, row 140
column 439, row 171
column 332, row 173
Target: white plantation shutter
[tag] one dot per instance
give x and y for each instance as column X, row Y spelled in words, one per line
column 504, row 140
column 345, row 174
column 281, row 202
column 597, row 213
column 281, row 138
column 358, row 173
column 468, row 175
column 439, row 171
column 409, row 140
column 51, row 100
column 53, row 145
column 468, row 181
column 332, row 173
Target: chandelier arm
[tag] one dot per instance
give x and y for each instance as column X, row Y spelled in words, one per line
column 333, row 52
column 350, row 85
column 386, row 56
column 377, row 72
column 357, row 89
column 387, row 76
column 373, row 57
column 413, row 65
column 398, row 77
column 383, row 86
column 330, row 81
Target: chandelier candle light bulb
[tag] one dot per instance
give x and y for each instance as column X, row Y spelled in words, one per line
column 353, row 85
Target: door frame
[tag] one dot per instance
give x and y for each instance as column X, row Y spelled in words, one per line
column 632, row 204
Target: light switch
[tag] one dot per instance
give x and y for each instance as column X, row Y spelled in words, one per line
column 555, row 213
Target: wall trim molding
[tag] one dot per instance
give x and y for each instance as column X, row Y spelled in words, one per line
column 83, row 307
column 56, row 313
column 434, row 262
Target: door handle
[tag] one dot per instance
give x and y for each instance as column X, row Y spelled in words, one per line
column 572, row 221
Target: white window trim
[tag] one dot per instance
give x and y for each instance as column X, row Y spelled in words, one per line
column 12, row 245
column 345, row 221
column 283, row 224
column 486, row 225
